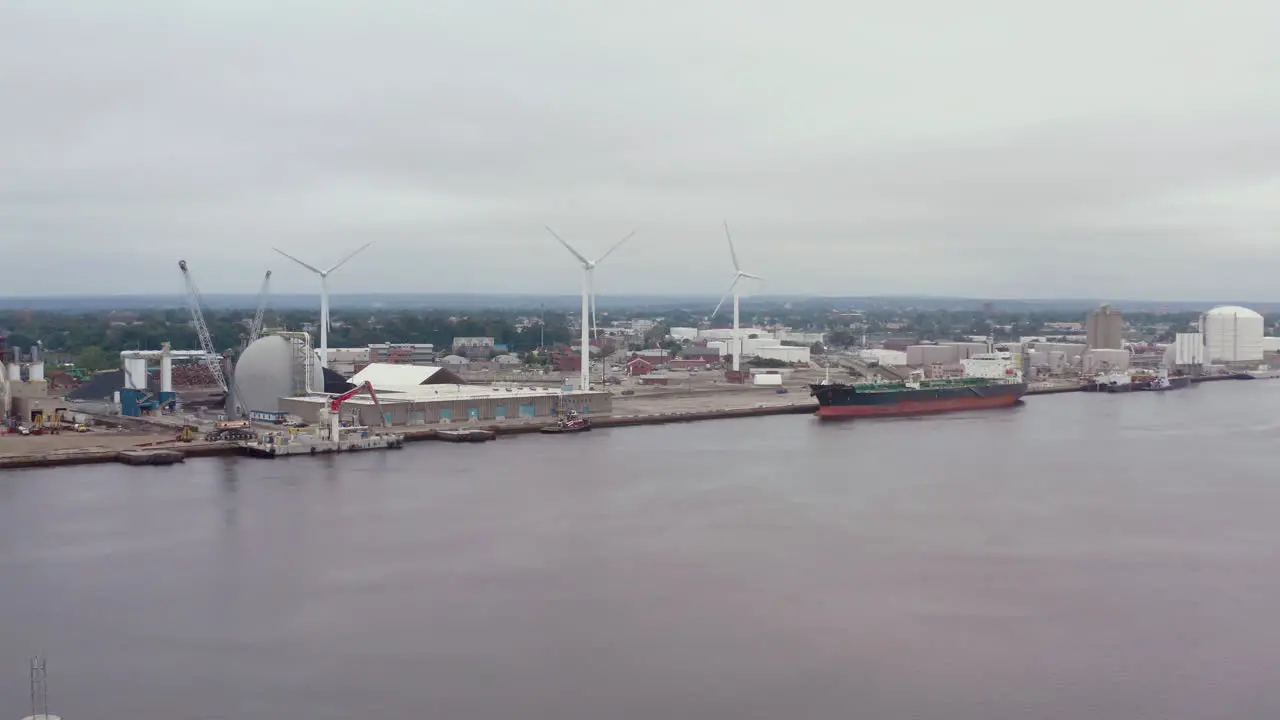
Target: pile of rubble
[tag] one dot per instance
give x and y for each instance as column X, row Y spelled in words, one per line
column 192, row 375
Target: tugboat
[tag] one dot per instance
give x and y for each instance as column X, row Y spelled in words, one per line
column 571, row 422
column 1163, row 381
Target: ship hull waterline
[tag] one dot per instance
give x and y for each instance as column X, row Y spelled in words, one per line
column 917, row 402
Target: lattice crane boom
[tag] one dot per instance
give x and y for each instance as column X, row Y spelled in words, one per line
column 255, row 330
column 212, row 358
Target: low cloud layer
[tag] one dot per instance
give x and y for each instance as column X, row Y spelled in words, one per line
column 1120, row 149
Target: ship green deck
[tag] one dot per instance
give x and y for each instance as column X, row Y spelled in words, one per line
column 928, row 384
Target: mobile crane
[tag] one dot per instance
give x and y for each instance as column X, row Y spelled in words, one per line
column 332, row 408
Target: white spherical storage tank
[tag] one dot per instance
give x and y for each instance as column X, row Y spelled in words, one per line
column 1232, row 334
column 266, row 373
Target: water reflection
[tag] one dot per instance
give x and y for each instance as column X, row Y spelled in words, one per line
column 1081, row 556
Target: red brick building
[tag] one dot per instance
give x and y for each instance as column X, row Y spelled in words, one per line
column 639, row 366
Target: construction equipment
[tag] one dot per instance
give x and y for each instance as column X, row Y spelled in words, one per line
column 255, row 330
column 331, row 410
column 231, row 430
column 188, row 433
column 212, row 358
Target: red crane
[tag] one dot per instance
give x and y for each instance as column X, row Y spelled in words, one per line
column 335, row 403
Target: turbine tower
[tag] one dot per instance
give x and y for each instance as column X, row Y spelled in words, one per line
column 324, row 298
column 588, row 300
column 738, row 275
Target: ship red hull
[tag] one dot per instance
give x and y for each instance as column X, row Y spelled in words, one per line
column 917, row 407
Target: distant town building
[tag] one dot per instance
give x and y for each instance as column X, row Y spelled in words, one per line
column 401, row 353
column 1066, row 328
column 639, row 366
column 485, row 343
column 1104, row 328
column 653, row 355
column 565, row 360
column 704, row 354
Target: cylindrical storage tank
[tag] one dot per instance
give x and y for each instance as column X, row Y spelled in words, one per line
column 1232, row 334
column 35, row 371
column 135, row 373
column 15, row 372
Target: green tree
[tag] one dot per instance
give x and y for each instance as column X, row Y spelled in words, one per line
column 94, row 358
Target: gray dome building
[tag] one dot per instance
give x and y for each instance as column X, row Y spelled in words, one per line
column 271, row 367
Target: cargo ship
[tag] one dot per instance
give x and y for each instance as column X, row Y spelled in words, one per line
column 990, row 380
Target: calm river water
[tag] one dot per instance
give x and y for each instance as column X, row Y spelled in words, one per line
column 1081, row 556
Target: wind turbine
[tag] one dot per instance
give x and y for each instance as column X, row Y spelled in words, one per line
column 324, row 298
column 588, row 299
column 738, row 275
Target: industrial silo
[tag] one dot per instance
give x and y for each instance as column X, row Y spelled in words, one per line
column 1232, row 334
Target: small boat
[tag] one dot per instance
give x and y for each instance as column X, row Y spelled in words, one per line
column 1112, row 382
column 571, row 422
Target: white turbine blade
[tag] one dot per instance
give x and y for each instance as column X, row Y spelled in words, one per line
column 724, row 297
column 616, row 246
column 297, row 261
column 732, row 253
column 344, row 260
column 749, row 275
column 585, row 262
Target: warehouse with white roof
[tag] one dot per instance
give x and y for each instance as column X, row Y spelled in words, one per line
column 422, row 395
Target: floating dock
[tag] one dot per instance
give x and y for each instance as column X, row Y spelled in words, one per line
column 150, row 457
column 269, row 446
column 465, row 436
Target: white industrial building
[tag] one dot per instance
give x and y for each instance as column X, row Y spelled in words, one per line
column 1232, row 334
column 1054, row 360
column 1104, row 359
column 888, row 358
column 684, row 333
column 418, row 395
column 1187, row 349
column 806, row 338
column 785, row 353
column 345, row 360
column 920, row 355
column 763, row 345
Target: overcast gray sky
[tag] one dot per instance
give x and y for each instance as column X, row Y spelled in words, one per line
column 1126, row 148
